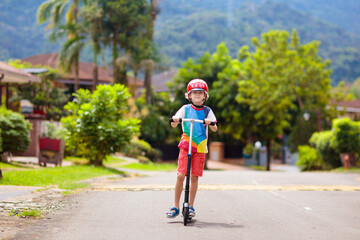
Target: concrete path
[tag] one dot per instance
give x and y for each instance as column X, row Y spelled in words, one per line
column 135, row 208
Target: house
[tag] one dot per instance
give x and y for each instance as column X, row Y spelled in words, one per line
column 160, row 80
column 349, row 109
column 11, row 76
column 105, row 75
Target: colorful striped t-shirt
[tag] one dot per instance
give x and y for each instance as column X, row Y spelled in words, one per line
column 200, row 132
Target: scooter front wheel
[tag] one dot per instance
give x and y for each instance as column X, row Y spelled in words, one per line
column 185, row 215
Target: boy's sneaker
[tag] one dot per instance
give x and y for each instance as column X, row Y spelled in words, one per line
column 191, row 212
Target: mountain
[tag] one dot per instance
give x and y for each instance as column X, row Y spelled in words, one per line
column 188, row 28
column 196, row 31
column 20, row 35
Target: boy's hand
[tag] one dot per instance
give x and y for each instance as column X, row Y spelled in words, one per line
column 176, row 119
column 207, row 121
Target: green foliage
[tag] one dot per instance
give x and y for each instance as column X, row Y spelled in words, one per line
column 96, row 126
column 302, row 130
column 324, row 142
column 14, row 129
column 308, row 159
column 0, row 141
column 347, row 135
column 45, row 96
column 155, row 119
column 53, row 130
column 140, row 148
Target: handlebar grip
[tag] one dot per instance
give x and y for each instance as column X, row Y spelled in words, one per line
column 172, row 120
column 212, row 123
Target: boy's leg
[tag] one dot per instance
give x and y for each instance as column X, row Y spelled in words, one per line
column 179, row 188
column 193, row 189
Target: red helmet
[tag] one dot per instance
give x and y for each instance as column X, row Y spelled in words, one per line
column 197, row 85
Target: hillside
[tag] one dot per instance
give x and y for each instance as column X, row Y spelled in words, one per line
column 20, row 35
column 191, row 35
column 188, row 28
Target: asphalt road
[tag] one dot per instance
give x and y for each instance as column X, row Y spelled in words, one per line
column 229, row 205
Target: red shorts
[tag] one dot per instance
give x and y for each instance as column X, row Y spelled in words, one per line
column 197, row 162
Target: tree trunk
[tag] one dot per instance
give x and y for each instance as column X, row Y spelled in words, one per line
column 134, row 87
column 148, row 84
column 268, row 149
column 76, row 85
column 148, row 71
column 115, row 55
column 95, row 67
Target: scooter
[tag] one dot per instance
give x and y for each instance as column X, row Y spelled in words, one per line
column 185, row 210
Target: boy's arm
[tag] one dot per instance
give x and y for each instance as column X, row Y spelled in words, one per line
column 213, row 128
column 179, row 114
column 211, row 118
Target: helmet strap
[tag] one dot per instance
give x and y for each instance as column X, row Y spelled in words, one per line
column 197, row 106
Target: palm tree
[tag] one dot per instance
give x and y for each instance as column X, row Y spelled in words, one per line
column 154, row 11
column 123, row 19
column 54, row 11
column 92, row 15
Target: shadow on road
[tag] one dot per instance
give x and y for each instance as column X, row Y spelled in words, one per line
column 201, row 224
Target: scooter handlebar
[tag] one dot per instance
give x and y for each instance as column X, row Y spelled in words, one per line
column 192, row 120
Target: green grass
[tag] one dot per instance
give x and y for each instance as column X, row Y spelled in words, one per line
column 26, row 213
column 76, row 160
column 112, row 161
column 11, row 166
column 109, row 161
column 343, row 170
column 152, row 166
column 63, row 177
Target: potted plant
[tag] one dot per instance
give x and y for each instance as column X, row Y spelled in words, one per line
column 52, row 144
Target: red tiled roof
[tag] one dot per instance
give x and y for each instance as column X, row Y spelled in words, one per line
column 350, row 104
column 85, row 68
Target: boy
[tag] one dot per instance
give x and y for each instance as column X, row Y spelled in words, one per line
column 197, row 94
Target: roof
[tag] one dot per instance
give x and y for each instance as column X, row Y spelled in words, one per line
column 85, row 68
column 349, row 106
column 10, row 74
column 159, row 81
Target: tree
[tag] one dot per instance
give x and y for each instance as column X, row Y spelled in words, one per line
column 54, row 11
column 92, row 16
column 96, row 126
column 279, row 77
column 122, row 19
column 154, row 10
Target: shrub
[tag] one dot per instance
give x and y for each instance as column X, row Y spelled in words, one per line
column 308, row 159
column 97, row 126
column 53, row 130
column 347, row 135
column 141, row 148
column 0, row 142
column 324, row 143
column 14, row 129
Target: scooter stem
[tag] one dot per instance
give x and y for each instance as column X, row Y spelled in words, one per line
column 187, row 186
